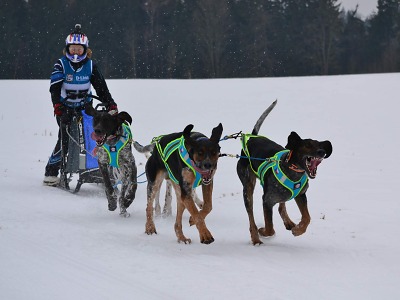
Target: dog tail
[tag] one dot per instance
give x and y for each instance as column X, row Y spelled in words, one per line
column 261, row 119
column 143, row 149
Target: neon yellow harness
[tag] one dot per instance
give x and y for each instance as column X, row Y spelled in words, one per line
column 177, row 145
column 272, row 163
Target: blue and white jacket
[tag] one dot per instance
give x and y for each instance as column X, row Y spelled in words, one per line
column 75, row 80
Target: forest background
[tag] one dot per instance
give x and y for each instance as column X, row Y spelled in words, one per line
column 202, row 38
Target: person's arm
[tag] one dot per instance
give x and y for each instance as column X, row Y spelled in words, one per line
column 56, row 81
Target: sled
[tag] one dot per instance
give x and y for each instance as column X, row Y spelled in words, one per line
column 79, row 160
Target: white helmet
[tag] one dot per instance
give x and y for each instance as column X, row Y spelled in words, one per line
column 76, row 38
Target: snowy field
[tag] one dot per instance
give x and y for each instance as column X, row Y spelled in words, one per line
column 58, row 245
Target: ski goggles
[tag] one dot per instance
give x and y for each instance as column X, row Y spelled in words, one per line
column 76, row 49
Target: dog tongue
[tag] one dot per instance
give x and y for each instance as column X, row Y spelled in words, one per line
column 313, row 166
column 95, row 137
column 315, row 163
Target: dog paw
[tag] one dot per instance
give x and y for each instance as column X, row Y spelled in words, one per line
column 112, row 206
column 166, row 214
column 206, row 237
column 207, row 241
column 257, row 242
column 298, row 230
column 289, row 225
column 150, row 228
column 124, row 214
column 266, row 233
column 184, row 240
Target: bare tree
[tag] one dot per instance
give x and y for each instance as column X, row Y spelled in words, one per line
column 328, row 27
column 152, row 38
column 211, row 27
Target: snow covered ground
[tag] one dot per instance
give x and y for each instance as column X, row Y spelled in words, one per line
column 58, row 245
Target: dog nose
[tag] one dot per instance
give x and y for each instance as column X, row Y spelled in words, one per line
column 207, row 165
column 321, row 153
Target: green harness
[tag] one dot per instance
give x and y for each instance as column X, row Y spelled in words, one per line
column 177, row 145
column 272, row 164
column 113, row 151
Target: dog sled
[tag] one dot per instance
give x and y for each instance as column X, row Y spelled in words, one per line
column 79, row 160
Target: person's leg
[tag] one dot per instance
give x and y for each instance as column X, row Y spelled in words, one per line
column 53, row 165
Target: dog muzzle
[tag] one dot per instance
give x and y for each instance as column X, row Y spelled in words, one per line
column 99, row 139
column 206, row 174
column 312, row 165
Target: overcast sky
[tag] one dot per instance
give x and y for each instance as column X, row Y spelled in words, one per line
column 365, row 7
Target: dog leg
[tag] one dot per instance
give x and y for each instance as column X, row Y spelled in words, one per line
column 289, row 224
column 249, row 182
column 248, row 191
column 110, row 191
column 268, row 230
column 122, row 200
column 205, row 235
column 152, row 189
column 300, row 228
column 122, row 210
column 178, row 221
column 131, row 184
column 167, row 210
column 157, row 207
column 197, row 200
column 206, row 206
column 197, row 217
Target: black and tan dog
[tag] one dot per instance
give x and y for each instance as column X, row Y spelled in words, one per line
column 188, row 159
column 113, row 146
column 167, row 209
column 283, row 174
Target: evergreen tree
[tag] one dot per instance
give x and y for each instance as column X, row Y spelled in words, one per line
column 353, row 44
column 383, row 41
column 15, row 39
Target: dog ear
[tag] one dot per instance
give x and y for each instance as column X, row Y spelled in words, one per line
column 187, row 130
column 89, row 110
column 189, row 142
column 293, row 140
column 216, row 133
column 327, row 146
column 124, row 116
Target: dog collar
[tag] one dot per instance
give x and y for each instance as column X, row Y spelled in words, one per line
column 273, row 164
column 179, row 145
column 113, row 151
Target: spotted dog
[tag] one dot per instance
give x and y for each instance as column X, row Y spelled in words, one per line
column 283, row 175
column 167, row 208
column 113, row 146
column 188, row 159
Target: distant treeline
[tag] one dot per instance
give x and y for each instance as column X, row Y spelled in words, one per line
column 201, row 38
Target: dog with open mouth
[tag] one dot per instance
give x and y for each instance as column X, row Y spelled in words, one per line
column 283, row 174
column 114, row 152
column 188, row 159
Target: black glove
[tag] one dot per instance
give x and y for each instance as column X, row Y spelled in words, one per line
column 66, row 116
